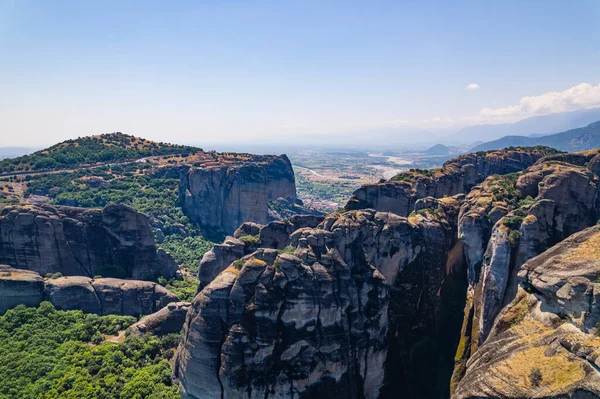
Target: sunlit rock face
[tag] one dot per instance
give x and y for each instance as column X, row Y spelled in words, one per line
column 115, row 241
column 457, row 176
column 222, row 197
column 544, row 343
column 545, row 204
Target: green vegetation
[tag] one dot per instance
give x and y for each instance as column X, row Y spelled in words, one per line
column 504, row 189
column 238, row 264
column 288, row 250
column 527, row 201
column 187, row 251
column 113, row 147
column 50, row 354
column 134, row 185
column 184, row 289
column 250, row 241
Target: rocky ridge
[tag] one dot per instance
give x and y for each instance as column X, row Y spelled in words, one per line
column 544, row 344
column 329, row 282
column 457, row 176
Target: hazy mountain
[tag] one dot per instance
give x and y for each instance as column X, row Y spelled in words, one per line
column 585, row 138
column 534, row 126
column 438, row 149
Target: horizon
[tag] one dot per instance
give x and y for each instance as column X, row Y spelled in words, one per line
column 239, row 73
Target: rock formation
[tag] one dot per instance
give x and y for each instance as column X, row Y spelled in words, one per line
column 167, row 320
column 100, row 296
column 457, row 176
column 444, row 264
column 564, row 202
column 315, row 321
column 544, row 344
column 19, row 287
column 222, row 197
column 274, row 235
column 116, row 241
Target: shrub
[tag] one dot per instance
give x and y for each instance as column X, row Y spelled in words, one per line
column 250, row 241
column 535, row 376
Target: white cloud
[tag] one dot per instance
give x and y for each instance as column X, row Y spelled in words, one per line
column 581, row 96
column 472, row 86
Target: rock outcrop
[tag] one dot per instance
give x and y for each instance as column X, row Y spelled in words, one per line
column 19, row 287
column 444, row 267
column 168, row 320
column 116, row 241
column 523, row 227
column 274, row 235
column 314, row 322
column 222, row 197
column 100, row 296
column 457, row 176
column 544, row 344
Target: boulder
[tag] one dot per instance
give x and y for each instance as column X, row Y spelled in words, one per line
column 19, row 287
column 167, row 320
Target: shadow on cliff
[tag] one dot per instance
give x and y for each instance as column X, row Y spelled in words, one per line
column 423, row 340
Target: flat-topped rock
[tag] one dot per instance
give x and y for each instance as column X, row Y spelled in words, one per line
column 19, row 287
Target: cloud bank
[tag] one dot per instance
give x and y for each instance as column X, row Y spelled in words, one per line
column 472, row 86
column 581, row 96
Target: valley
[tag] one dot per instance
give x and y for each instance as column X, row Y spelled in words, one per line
column 326, row 179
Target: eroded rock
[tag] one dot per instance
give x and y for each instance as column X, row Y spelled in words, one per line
column 114, row 241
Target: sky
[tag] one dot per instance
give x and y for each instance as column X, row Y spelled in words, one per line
column 231, row 71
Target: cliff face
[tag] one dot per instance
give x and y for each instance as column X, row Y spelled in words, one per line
column 114, row 241
column 19, row 287
column 223, row 197
column 457, row 176
column 100, row 296
column 439, row 282
column 544, row 344
column 564, row 202
column 316, row 321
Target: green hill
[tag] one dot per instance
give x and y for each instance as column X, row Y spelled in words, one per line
column 92, row 150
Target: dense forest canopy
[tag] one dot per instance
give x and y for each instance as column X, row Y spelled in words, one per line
column 51, row 354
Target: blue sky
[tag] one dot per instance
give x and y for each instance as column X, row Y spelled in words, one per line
column 219, row 71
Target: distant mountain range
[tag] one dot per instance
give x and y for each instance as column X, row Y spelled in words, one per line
column 12, row 152
column 585, row 138
column 534, row 126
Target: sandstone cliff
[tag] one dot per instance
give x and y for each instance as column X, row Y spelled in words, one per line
column 19, row 287
column 116, row 241
column 100, row 296
column 315, row 321
column 544, row 344
column 529, row 213
column 221, row 197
